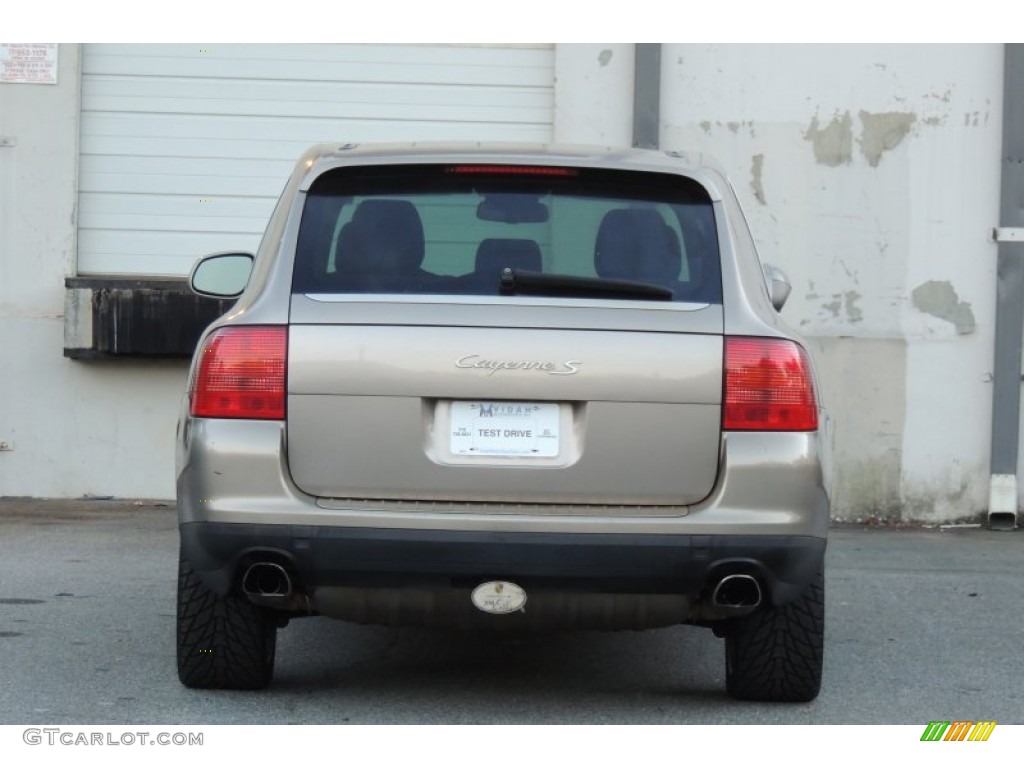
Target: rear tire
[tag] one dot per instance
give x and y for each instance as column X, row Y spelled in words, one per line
column 776, row 654
column 223, row 642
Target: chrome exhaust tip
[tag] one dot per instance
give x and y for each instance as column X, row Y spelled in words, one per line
column 739, row 590
column 263, row 580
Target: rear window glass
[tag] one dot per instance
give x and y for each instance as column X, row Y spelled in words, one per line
column 501, row 230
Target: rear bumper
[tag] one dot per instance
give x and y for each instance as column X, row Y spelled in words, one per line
column 320, row 556
column 236, row 471
column 767, row 516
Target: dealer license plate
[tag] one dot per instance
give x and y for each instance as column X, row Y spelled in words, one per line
column 491, row 428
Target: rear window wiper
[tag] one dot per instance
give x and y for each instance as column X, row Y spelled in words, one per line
column 521, row 281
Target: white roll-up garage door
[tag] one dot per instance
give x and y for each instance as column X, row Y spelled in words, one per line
column 185, row 149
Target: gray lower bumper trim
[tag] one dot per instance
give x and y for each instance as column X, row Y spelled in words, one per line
column 661, row 564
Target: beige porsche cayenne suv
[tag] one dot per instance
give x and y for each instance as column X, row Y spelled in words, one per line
column 502, row 387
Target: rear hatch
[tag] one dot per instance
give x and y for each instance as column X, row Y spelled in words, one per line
column 506, row 335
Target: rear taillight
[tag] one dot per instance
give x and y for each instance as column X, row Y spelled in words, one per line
column 768, row 386
column 241, row 374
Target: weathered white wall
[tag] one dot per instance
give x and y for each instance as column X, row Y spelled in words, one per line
column 594, row 93
column 77, row 428
column 871, row 174
column 107, row 427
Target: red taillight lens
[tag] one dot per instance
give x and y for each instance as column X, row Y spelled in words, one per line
column 241, row 374
column 768, row 387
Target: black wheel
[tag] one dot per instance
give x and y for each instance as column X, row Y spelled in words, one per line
column 776, row 654
column 223, row 642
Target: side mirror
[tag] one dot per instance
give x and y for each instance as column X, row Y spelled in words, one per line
column 221, row 275
column 778, row 286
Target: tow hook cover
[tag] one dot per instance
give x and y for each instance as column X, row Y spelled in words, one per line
column 499, row 597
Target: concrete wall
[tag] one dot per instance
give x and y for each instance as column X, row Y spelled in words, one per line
column 104, row 428
column 594, row 93
column 77, row 428
column 870, row 173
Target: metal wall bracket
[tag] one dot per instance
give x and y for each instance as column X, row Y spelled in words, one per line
column 1008, row 234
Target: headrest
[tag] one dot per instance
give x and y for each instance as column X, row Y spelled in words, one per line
column 637, row 245
column 386, row 232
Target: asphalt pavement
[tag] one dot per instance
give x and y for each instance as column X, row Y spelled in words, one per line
column 922, row 624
